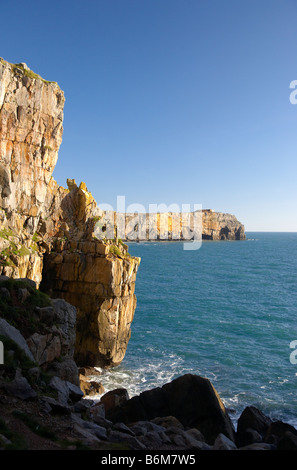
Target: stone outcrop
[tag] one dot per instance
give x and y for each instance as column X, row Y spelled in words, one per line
column 221, row 226
column 38, row 217
column 190, row 398
column 197, row 421
column 45, row 328
column 101, row 285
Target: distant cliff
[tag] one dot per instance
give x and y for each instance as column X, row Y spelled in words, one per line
column 46, row 231
column 221, row 226
column 205, row 224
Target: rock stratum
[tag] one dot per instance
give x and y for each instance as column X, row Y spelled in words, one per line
column 47, row 231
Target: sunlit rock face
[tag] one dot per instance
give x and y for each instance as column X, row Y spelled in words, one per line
column 31, row 117
column 47, row 231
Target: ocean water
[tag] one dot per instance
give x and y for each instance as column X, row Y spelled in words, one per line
column 227, row 311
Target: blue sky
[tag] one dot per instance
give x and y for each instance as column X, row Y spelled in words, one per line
column 171, row 101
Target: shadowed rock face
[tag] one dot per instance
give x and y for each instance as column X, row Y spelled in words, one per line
column 190, row 398
column 38, row 217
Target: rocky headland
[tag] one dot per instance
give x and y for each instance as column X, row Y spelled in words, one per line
column 67, row 302
column 205, row 224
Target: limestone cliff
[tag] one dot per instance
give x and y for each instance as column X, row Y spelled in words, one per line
column 207, row 224
column 46, row 231
column 97, row 277
column 31, row 117
column 221, row 226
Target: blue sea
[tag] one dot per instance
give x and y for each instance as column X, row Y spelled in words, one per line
column 227, row 311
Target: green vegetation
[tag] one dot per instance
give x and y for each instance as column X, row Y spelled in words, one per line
column 14, row 249
column 17, row 68
column 6, row 233
column 20, row 313
column 115, row 250
column 120, row 241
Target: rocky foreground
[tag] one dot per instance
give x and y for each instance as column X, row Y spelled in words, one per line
column 46, row 399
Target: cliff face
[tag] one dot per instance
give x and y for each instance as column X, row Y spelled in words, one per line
column 97, row 277
column 220, row 226
column 31, row 116
column 207, row 224
column 47, row 231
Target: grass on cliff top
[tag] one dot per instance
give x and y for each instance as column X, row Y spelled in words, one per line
column 28, row 73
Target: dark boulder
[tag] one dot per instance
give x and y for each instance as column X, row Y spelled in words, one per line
column 190, row 398
column 277, row 434
column 252, row 422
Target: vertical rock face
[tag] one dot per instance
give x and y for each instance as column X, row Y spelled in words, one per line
column 207, row 224
column 101, row 285
column 98, row 278
column 221, row 226
column 47, row 231
column 31, row 117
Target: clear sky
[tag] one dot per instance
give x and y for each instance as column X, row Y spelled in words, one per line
column 171, row 101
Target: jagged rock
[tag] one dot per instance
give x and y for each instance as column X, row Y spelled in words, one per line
column 276, row 432
column 11, row 332
column 223, row 443
column 195, row 439
column 45, row 314
column 251, row 418
column 83, row 406
column 123, row 428
column 125, row 439
column 19, row 387
column 288, row 441
column 90, row 387
column 114, row 398
column 190, row 398
column 98, row 431
column 249, row 436
column 66, row 391
column 154, row 440
column 167, row 421
column 45, row 347
column 143, row 427
column 75, row 393
column 50, row 405
column 97, row 411
column 89, row 371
